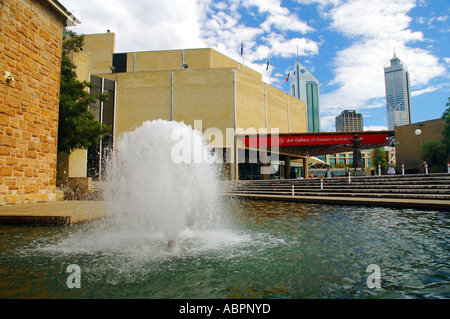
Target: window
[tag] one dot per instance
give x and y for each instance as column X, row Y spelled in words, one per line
column 104, row 113
column 312, row 93
column 119, row 63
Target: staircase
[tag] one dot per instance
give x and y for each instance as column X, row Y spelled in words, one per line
column 421, row 188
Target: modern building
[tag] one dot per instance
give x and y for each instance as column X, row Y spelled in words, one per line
column 398, row 93
column 178, row 85
column 349, row 121
column 306, row 88
column 31, row 34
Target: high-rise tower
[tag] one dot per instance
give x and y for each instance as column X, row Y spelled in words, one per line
column 349, row 121
column 398, row 93
column 306, row 88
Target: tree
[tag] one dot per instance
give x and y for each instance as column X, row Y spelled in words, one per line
column 436, row 154
column 77, row 127
column 446, row 132
column 379, row 157
column 340, row 165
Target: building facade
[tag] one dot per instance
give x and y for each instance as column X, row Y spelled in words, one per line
column 306, row 88
column 398, row 93
column 178, row 85
column 31, row 35
column 349, row 121
column 409, row 140
column 341, row 160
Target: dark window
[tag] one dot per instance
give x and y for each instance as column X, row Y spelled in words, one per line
column 120, row 63
column 108, row 105
column 104, row 113
column 94, row 108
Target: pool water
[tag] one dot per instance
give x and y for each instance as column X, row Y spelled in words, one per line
column 266, row 250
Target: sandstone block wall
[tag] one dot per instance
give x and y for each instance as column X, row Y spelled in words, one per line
column 30, row 51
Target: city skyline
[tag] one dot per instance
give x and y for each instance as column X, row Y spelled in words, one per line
column 345, row 44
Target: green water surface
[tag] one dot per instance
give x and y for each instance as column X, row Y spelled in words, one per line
column 268, row 250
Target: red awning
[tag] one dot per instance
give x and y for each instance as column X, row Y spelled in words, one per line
column 317, row 143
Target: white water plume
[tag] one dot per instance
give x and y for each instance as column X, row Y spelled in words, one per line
column 150, row 190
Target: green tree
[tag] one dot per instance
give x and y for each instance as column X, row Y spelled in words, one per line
column 436, row 154
column 379, row 157
column 77, row 127
column 339, row 165
column 446, row 132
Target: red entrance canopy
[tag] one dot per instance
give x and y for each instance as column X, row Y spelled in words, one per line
column 317, row 143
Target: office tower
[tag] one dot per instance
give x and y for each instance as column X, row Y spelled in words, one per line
column 398, row 93
column 306, row 88
column 349, row 121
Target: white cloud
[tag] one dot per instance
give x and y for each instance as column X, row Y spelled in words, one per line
column 286, row 23
column 375, row 128
column 328, row 123
column 149, row 21
column 424, row 91
column 266, row 6
column 278, row 17
column 223, row 31
column 381, row 19
column 280, row 46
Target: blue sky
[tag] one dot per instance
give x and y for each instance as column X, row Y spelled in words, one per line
column 344, row 43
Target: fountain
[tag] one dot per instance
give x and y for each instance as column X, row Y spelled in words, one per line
column 163, row 179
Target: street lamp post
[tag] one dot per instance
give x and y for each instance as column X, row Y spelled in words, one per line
column 418, row 132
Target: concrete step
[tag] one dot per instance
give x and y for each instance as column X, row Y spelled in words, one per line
column 445, row 187
column 361, row 194
column 347, row 184
column 345, row 191
column 339, row 181
column 362, row 178
column 425, row 186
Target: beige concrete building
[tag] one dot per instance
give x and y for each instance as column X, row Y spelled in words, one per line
column 31, row 35
column 178, row 85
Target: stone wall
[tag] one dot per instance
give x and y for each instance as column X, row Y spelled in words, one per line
column 30, row 46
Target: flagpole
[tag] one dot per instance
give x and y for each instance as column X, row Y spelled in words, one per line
column 270, row 75
column 243, row 58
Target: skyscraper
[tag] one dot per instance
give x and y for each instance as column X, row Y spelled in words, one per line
column 398, row 93
column 306, row 88
column 349, row 121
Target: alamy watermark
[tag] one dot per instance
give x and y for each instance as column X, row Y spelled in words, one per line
column 374, row 279
column 264, row 146
column 74, row 279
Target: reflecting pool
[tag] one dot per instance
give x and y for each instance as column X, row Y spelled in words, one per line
column 264, row 250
